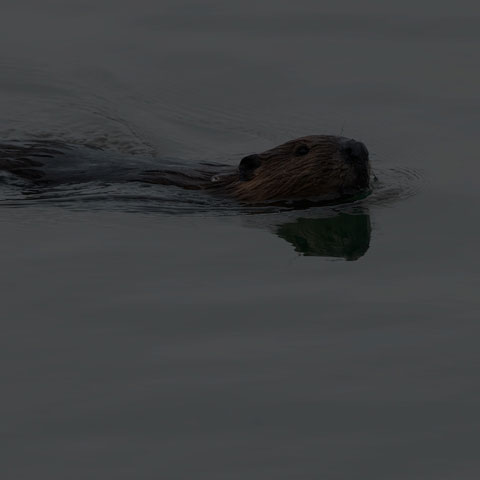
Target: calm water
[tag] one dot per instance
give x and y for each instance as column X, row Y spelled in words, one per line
column 146, row 338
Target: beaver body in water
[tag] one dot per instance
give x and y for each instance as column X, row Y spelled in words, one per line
column 322, row 167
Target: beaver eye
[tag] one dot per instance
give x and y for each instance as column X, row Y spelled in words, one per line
column 302, row 150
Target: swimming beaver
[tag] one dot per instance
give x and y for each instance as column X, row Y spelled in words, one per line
column 322, row 167
column 312, row 167
column 307, row 167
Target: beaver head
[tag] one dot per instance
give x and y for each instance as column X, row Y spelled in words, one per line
column 316, row 166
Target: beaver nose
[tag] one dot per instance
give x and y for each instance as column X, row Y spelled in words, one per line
column 355, row 152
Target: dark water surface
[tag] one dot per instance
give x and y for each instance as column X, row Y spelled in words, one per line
column 151, row 334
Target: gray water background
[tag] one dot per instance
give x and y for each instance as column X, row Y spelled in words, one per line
column 144, row 344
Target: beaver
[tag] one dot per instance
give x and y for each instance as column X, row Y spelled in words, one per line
column 323, row 167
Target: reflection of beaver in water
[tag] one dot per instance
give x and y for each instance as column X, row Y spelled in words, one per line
column 342, row 236
column 316, row 166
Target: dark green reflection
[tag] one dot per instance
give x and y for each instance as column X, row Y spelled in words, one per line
column 344, row 236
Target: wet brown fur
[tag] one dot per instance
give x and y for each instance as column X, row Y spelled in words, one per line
column 285, row 174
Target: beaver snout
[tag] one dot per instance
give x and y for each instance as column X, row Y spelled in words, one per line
column 354, row 152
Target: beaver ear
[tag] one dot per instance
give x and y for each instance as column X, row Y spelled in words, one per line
column 248, row 165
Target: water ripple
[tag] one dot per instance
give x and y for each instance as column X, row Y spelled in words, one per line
column 390, row 185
